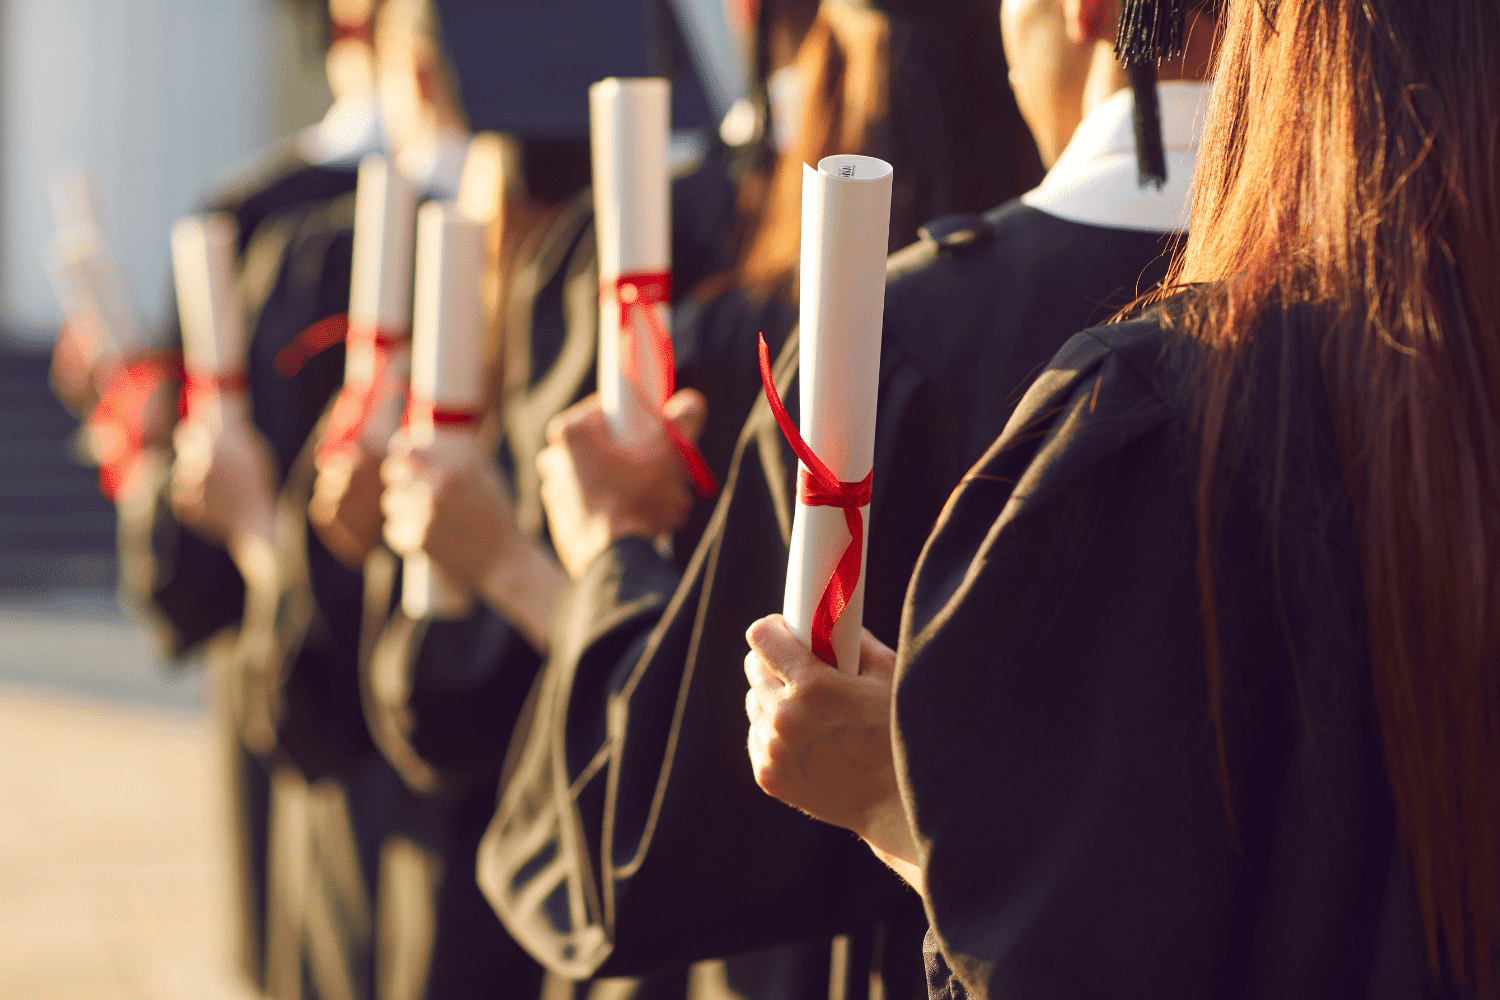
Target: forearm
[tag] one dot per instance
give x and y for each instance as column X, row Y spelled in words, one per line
column 252, row 546
column 525, row 587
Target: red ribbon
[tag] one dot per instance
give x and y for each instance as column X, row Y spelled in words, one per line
column 355, row 403
column 426, row 411
column 818, row 487
column 200, row 389
column 640, row 294
column 117, row 423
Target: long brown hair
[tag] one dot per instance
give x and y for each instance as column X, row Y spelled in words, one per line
column 1351, row 169
column 929, row 95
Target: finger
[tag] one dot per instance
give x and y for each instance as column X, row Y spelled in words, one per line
column 876, row 659
column 772, row 638
column 760, row 675
column 550, row 462
column 399, row 444
column 689, row 411
column 582, row 411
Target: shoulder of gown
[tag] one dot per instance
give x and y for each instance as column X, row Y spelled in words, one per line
column 1053, row 738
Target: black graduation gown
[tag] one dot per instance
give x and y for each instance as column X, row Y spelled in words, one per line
column 632, row 832
column 1053, row 736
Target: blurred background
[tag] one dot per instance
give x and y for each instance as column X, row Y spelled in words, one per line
column 112, row 882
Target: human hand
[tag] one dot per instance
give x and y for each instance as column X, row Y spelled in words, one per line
column 820, row 739
column 223, row 478
column 461, row 516
column 597, row 491
column 457, row 512
column 345, row 505
column 79, row 368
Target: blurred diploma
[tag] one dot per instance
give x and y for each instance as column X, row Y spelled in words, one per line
column 380, row 297
column 447, row 373
column 629, row 127
column 90, row 284
column 213, row 324
column 846, row 207
column 217, row 419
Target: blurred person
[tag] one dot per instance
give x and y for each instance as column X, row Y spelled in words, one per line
column 440, row 695
column 1266, row 766
column 183, row 583
column 973, row 311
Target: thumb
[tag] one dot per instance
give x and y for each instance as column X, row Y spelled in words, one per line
column 772, row 638
column 689, row 411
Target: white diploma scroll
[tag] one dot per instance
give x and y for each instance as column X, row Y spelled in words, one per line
column 380, row 289
column 447, row 372
column 846, row 210
column 629, row 129
column 208, row 302
column 88, row 278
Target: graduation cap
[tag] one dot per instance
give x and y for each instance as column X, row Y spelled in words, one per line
column 1150, row 31
column 524, row 66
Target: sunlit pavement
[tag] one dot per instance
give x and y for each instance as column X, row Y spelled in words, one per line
column 113, row 877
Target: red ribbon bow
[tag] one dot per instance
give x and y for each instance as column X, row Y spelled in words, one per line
column 355, row 403
column 818, row 487
column 638, row 295
column 117, row 423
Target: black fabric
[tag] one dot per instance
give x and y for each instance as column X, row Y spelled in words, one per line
column 673, row 853
column 525, row 67
column 1054, row 742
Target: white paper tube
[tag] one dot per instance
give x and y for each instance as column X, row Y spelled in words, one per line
column 846, row 211
column 75, row 204
column 89, row 281
column 88, row 277
column 629, row 128
column 447, row 370
column 208, row 303
column 380, row 289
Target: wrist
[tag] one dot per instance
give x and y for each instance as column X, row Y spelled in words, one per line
column 524, row 584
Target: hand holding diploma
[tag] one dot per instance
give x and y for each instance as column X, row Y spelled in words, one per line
column 846, row 207
column 447, row 382
column 345, row 505
column 597, row 490
column 820, row 739
column 223, row 479
column 630, row 126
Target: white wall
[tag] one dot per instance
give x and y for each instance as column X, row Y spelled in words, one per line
column 155, row 98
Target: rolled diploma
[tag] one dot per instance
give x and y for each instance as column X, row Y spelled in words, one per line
column 447, row 370
column 846, row 210
column 380, row 288
column 629, row 130
column 89, row 278
column 208, row 304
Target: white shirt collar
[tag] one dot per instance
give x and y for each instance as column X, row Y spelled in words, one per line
column 350, row 131
column 436, row 168
column 1096, row 180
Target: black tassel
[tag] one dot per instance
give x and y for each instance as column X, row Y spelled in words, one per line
column 1150, row 31
column 1150, row 153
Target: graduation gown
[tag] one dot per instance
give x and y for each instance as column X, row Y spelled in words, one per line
column 632, row 833
column 1053, row 738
